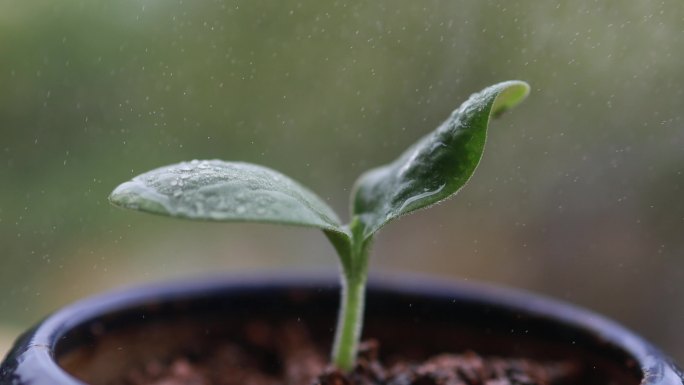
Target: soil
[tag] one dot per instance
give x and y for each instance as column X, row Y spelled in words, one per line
column 285, row 354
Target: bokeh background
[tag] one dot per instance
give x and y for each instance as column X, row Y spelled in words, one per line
column 580, row 194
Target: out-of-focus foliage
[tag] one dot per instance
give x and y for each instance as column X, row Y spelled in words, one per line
column 579, row 196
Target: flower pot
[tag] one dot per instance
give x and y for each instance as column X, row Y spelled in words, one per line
column 92, row 340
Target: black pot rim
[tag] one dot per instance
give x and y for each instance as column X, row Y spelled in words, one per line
column 31, row 360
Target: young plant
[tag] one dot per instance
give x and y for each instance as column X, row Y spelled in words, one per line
column 431, row 170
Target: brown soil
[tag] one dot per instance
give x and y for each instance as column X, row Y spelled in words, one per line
column 286, row 355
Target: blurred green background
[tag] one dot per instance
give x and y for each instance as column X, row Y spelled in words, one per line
column 580, row 194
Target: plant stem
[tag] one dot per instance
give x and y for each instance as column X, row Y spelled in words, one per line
column 352, row 300
column 349, row 322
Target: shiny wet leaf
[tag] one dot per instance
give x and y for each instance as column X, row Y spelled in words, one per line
column 225, row 191
column 437, row 166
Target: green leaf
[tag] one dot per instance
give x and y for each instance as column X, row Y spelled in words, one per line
column 226, row 191
column 437, row 166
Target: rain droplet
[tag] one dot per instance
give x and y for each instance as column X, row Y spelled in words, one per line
column 240, row 209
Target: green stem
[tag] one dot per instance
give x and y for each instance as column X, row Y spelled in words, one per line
column 352, row 301
column 349, row 323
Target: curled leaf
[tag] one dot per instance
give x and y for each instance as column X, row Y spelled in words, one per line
column 437, row 166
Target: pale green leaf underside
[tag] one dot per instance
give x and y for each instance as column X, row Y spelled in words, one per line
column 438, row 165
column 226, row 191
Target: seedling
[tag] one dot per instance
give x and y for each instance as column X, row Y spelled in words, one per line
column 430, row 171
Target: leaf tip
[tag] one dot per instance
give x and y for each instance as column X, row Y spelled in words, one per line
column 124, row 195
column 509, row 95
column 116, row 197
column 135, row 196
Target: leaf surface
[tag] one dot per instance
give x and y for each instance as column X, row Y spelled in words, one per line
column 437, row 166
column 216, row 190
